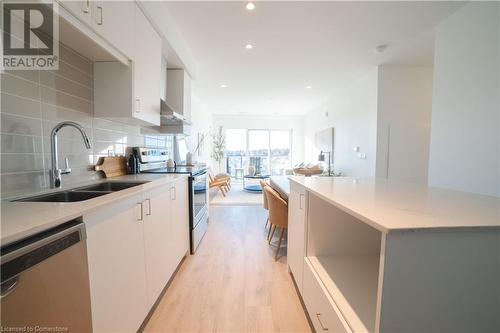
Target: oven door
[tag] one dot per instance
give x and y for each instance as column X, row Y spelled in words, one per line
column 200, row 197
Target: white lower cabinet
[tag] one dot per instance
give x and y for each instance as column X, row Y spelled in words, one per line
column 166, row 234
column 134, row 247
column 322, row 310
column 115, row 247
column 157, row 235
column 180, row 220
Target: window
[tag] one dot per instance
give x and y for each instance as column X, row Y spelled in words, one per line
column 280, row 152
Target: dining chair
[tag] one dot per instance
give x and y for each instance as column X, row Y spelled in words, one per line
column 266, row 206
column 278, row 214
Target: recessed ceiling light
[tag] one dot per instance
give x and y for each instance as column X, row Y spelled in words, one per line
column 223, row 85
column 309, row 87
column 249, row 46
column 250, row 6
column 381, row 48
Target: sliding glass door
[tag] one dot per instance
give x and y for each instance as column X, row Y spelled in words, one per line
column 269, row 151
column 258, row 150
column 236, row 151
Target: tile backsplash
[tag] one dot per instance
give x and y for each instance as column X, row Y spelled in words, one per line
column 33, row 102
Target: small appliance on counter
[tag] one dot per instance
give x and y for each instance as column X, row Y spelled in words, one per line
column 133, row 164
column 156, row 160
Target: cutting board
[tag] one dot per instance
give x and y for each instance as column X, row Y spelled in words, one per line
column 112, row 166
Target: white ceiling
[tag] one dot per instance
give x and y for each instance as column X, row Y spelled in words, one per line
column 322, row 44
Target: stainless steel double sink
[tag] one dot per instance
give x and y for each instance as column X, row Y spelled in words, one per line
column 82, row 193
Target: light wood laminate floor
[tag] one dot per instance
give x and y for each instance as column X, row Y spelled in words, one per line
column 232, row 283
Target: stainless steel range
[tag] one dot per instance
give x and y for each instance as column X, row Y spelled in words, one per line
column 154, row 160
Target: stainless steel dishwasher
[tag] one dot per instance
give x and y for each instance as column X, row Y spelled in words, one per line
column 45, row 282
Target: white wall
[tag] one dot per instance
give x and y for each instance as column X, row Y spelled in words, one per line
column 353, row 114
column 465, row 143
column 202, row 124
column 280, row 122
column 403, row 122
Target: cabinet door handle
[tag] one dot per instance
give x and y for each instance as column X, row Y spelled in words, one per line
column 149, row 207
column 301, row 201
column 174, row 195
column 101, row 20
column 141, row 217
column 137, row 105
column 318, row 315
column 87, row 7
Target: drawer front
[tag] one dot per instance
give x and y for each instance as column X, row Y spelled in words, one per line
column 323, row 312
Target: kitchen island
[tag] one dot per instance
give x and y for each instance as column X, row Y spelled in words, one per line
column 281, row 184
column 371, row 255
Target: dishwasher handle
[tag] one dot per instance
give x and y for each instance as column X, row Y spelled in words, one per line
column 23, row 255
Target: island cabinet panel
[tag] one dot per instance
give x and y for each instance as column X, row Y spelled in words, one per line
column 345, row 256
column 297, row 205
column 442, row 280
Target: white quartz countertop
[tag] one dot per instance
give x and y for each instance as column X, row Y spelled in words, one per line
column 22, row 219
column 388, row 205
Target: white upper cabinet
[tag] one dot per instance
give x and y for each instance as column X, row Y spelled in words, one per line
column 114, row 21
column 147, row 69
column 111, row 20
column 79, row 9
column 131, row 94
column 179, row 92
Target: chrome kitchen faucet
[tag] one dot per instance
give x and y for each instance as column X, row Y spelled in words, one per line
column 55, row 173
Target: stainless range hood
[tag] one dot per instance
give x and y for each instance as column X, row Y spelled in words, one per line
column 169, row 116
column 172, row 122
column 175, row 102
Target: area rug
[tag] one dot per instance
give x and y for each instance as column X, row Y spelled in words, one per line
column 236, row 197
